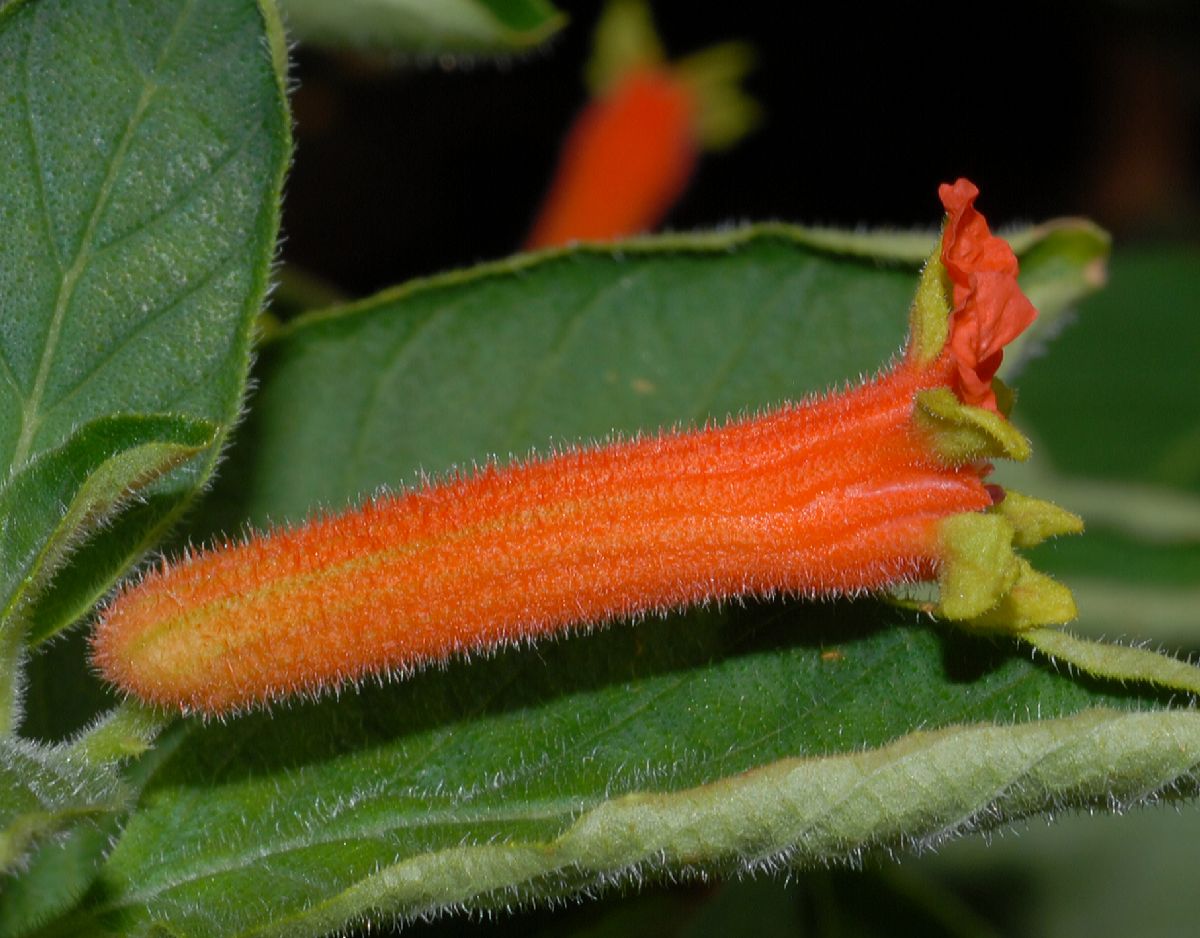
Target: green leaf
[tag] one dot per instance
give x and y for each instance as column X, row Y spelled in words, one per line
column 450, row 370
column 57, row 499
column 676, row 329
column 44, row 790
column 53, row 878
column 58, row 869
column 141, row 160
column 617, row 756
column 55, row 502
column 426, row 27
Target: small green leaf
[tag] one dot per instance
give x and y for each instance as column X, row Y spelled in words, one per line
column 45, row 790
column 59, row 498
column 141, row 158
column 51, row 879
column 426, row 27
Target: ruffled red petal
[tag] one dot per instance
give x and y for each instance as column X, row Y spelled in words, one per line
column 989, row 308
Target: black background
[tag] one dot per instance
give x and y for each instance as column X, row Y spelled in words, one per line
column 408, row 167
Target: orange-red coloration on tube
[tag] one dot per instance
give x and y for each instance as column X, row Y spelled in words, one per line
column 836, row 495
column 626, row 160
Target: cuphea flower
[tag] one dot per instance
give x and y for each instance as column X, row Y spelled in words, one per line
column 855, row 491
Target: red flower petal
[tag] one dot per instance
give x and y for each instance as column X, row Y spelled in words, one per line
column 990, row 309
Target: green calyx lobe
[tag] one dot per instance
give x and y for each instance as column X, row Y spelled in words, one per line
column 960, row 433
column 929, row 318
column 985, row 584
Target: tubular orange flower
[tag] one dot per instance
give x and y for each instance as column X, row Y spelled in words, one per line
column 855, row 491
column 625, row 162
column 630, row 153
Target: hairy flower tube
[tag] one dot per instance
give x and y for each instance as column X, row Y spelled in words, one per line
column 630, row 153
column 855, row 491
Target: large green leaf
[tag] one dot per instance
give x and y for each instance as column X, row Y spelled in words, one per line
column 141, row 159
column 575, row 346
column 602, row 758
column 428, row 27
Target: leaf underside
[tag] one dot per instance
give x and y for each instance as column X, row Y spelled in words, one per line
column 141, row 162
column 57, row 500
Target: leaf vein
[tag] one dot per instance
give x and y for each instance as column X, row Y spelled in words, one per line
column 169, row 306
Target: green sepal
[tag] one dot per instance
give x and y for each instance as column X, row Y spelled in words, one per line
column 960, row 433
column 978, row 564
column 126, row 731
column 1033, row 600
column 624, row 39
column 929, row 317
column 724, row 112
column 985, row 585
column 1035, row 520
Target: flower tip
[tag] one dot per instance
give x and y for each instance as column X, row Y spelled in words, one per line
column 957, row 196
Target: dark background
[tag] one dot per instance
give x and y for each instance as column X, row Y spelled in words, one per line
column 409, row 167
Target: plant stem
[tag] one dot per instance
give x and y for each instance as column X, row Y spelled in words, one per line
column 127, row 730
column 12, row 684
